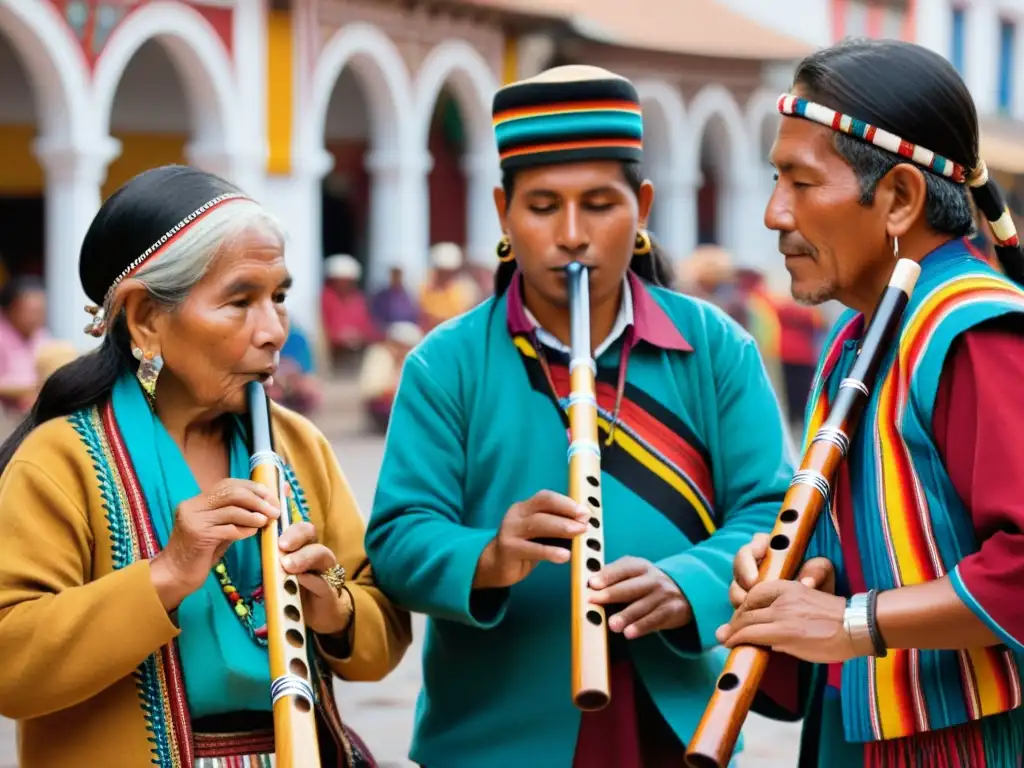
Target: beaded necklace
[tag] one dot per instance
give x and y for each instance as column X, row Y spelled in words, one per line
column 244, row 607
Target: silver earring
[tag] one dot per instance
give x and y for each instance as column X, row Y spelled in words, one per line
column 895, row 247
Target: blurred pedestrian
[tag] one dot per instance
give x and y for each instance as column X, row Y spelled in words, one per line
column 22, row 333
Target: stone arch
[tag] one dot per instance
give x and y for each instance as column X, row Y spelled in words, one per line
column 459, row 65
column 716, row 101
column 199, row 55
column 56, row 68
column 379, row 67
column 762, row 118
column 664, row 128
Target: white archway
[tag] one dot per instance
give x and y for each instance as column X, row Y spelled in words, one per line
column 205, row 70
column 761, row 118
column 714, row 106
column 66, row 147
column 716, row 101
column 458, row 66
column 664, row 143
column 380, row 69
column 56, row 66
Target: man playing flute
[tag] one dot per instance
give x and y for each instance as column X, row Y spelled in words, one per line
column 472, row 500
column 909, row 600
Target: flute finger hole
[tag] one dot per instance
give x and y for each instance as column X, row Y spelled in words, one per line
column 593, row 564
column 299, row 668
column 594, row 618
column 291, row 612
column 728, row 681
column 789, row 516
column 301, row 704
column 593, row 481
column 779, row 541
column 294, row 638
column 291, row 586
column 595, row 523
column 594, row 544
column 594, row 502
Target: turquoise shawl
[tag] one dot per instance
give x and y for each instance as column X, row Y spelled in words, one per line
column 224, row 667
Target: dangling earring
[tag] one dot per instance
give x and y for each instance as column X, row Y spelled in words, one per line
column 642, row 246
column 504, row 249
column 895, row 247
column 149, row 370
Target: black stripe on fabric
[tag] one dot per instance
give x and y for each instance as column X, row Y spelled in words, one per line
column 527, row 95
column 628, row 470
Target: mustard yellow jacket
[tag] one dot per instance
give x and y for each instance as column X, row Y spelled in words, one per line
column 88, row 664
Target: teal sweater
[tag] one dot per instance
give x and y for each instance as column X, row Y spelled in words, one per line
column 471, row 434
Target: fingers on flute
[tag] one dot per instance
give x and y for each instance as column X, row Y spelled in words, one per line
column 626, row 591
column 543, row 525
column 622, row 569
column 556, row 504
column 297, row 536
column 737, row 595
column 531, row 550
column 634, row 612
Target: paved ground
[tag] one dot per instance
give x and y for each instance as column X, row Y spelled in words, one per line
column 382, row 712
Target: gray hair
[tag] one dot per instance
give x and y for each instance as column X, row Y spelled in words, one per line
column 184, row 262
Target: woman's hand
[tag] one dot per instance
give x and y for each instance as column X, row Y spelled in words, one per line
column 204, row 527
column 323, row 609
column 513, row 553
column 816, row 573
column 653, row 601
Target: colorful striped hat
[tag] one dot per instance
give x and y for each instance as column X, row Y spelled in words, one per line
column 568, row 114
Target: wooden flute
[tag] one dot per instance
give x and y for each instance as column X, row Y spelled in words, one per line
column 591, row 684
column 291, row 688
column 809, row 492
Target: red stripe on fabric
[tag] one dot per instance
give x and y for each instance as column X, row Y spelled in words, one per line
column 173, row 678
column 661, row 437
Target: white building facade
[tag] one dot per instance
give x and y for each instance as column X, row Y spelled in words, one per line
column 365, row 125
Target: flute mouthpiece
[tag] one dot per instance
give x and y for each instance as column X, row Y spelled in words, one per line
column 905, row 275
column 573, row 267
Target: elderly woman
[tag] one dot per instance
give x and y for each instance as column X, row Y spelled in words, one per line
column 132, row 628
column 471, row 520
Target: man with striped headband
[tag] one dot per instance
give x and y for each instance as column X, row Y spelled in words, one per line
column 471, row 519
column 915, row 615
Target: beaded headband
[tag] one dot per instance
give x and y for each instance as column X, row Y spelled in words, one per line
column 986, row 194
column 97, row 326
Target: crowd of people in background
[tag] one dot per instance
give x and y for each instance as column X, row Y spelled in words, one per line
column 366, row 335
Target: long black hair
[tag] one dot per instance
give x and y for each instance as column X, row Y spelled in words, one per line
column 654, row 267
column 916, row 94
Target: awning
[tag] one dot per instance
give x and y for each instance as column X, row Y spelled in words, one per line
column 693, row 27
column 1002, row 146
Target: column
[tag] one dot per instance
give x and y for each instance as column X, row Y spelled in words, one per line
column 242, row 166
column 483, row 228
column 399, row 214
column 74, row 176
column 296, row 202
column 676, row 202
column 981, row 55
column 744, row 218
